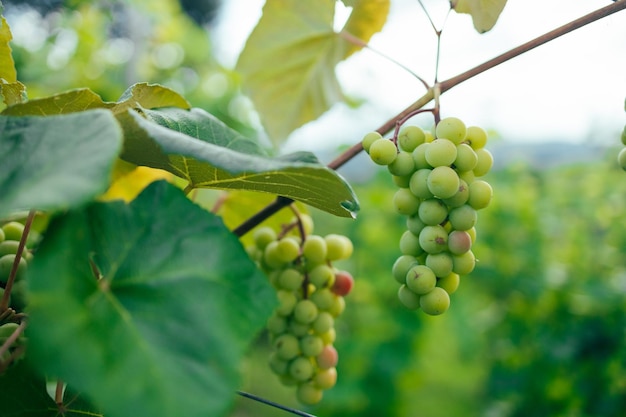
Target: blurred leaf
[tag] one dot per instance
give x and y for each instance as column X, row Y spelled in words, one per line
column 150, row 96
column 163, row 331
column 127, row 187
column 367, row 18
column 12, row 93
column 56, row 162
column 218, row 157
column 484, row 13
column 72, row 101
column 7, row 65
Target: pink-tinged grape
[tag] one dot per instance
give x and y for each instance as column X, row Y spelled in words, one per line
column 459, row 242
column 401, row 182
column 432, row 211
column 440, row 152
column 621, row 159
column 263, row 236
column 322, row 276
column 338, row 247
column 420, row 279
column 405, row 202
column 463, row 264
column 338, row 306
column 410, row 137
column 309, row 394
column 410, row 245
column 290, row 279
column 476, row 137
column 301, row 369
column 435, row 302
column 414, row 224
column 419, row 156
column 402, row 165
column 433, row 239
column 418, row 185
column 328, row 358
column 329, row 337
column 408, row 298
column 13, row 230
column 323, row 323
column 276, row 323
column 401, row 267
column 443, row 182
column 485, row 162
column 383, row 151
column 311, row 345
column 466, row 158
column 286, row 302
column 326, row 378
column 461, row 196
column 439, row 263
column 287, row 346
column 323, row 298
column 288, row 249
column 314, row 249
column 370, row 138
column 451, row 128
column 462, row 218
column 480, row 193
column 305, row 311
column 343, row 283
column 449, row 283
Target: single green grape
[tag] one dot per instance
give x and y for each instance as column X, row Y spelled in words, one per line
column 443, row 182
column 401, row 267
column 338, row 306
column 467, row 176
column 13, row 230
column 276, row 323
column 418, row 185
column 451, row 128
column 621, row 159
column 287, row 301
column 10, row 247
column 480, row 193
column 287, row 346
column 6, row 265
column 311, row 345
column 262, row 236
column 432, row 211
column 301, row 369
column 401, row 182
column 305, row 311
column 338, row 247
column 329, row 337
column 314, row 249
column 309, row 394
column 435, row 302
column 383, row 151
column 440, row 152
column 463, row 217
column 3, row 237
column 463, row 264
column 472, row 233
column 323, row 299
column 325, row 378
column 461, row 196
column 433, row 239
column 466, row 158
column 370, row 138
column 271, row 257
column 288, row 249
column 449, row 283
column 440, row 263
column 408, row 298
column 624, row 136
column 298, row 329
column 420, row 279
column 323, row 323
column 278, row 365
column 476, row 137
column 419, row 156
column 410, row 244
column 403, row 164
column 7, row 329
column 290, row 279
column 459, row 242
column 414, row 224
column 410, row 137
column 405, row 202
column 484, row 163
column 322, row 276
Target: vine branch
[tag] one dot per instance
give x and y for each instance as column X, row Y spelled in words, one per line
column 443, row 86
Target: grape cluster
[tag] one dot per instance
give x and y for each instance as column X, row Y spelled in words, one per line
column 10, row 235
column 310, row 294
column 439, row 193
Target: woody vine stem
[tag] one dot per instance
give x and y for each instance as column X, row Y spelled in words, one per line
column 442, row 87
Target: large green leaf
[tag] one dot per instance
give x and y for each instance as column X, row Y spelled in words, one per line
column 7, row 66
column 149, row 96
column 199, row 148
column 484, row 13
column 161, row 333
column 288, row 63
column 72, row 101
column 56, row 162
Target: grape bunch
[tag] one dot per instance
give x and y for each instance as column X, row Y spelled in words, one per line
column 10, row 235
column 310, row 294
column 439, row 192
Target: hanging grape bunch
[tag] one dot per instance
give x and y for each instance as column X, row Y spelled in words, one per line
column 10, row 235
column 440, row 194
column 310, row 294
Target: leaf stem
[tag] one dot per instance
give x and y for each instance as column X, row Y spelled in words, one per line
column 274, row 404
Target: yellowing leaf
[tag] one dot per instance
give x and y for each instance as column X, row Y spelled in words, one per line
column 367, row 18
column 127, row 187
column 484, row 13
column 7, row 66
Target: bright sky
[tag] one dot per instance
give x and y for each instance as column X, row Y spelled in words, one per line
column 571, row 89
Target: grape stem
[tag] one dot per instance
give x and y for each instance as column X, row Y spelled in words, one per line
column 443, row 86
column 274, row 404
column 9, row 342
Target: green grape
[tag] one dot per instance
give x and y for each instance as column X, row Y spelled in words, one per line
column 419, row 156
column 624, row 136
column 323, row 299
column 263, row 236
column 410, row 137
column 466, row 158
column 463, row 264
column 476, row 137
column 10, row 247
column 311, row 345
column 383, row 151
column 443, row 182
column 420, row 279
column 309, row 394
column 485, row 162
column 276, row 324
column 462, row 218
column 439, row 263
column 338, row 247
column 13, row 231
column 288, row 249
column 6, row 264
column 301, row 369
column 328, row 358
column 278, row 365
column 433, row 239
column 449, row 283
column 401, row 267
column 621, row 159
column 305, row 311
column 323, row 323
column 370, row 138
column 298, row 329
column 480, row 193
column 467, row 176
column 405, row 202
column 432, row 211
column 459, row 242
column 2, row 295
column 472, row 233
column 403, row 164
column 326, row 378
column 435, row 302
column 271, row 257
column 461, row 196
column 286, row 302
column 290, row 279
column 329, row 337
column 418, row 185
column 287, row 346
column 414, row 224
column 338, row 305
column 408, row 298
column 401, row 182
column 2, row 235
column 428, row 137
column 322, row 276
column 410, row 245
column 451, row 128
column 440, row 152
column 314, row 249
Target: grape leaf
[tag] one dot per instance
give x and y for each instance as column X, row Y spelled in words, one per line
column 288, row 62
column 484, row 13
column 72, row 101
column 162, row 332
column 12, row 93
column 149, row 96
column 56, row 162
column 7, row 65
column 205, row 152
